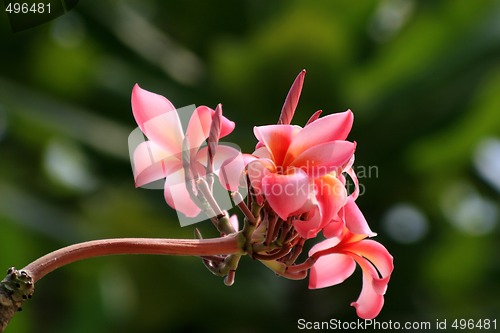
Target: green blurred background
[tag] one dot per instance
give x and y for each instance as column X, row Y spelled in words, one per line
column 423, row 80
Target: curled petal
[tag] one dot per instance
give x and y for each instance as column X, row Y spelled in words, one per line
column 286, row 193
column 323, row 158
column 147, row 105
column 231, row 171
column 377, row 266
column 350, row 171
column 376, row 255
column 276, row 138
column 330, row 128
column 330, row 270
column 331, row 196
column 333, row 228
column 309, row 228
column 354, row 219
column 329, row 243
column 369, row 303
column 177, row 196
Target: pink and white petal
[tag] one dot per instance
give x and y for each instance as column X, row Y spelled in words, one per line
column 151, row 163
column 165, row 130
column 262, row 152
column 286, row 193
column 177, row 196
column 354, row 219
column 323, row 158
column 146, row 154
column 147, row 105
column 333, row 127
column 369, row 303
column 276, row 138
column 199, row 126
column 330, row 269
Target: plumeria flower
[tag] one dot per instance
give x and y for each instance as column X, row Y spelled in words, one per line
column 161, row 156
column 299, row 170
column 336, row 261
column 295, row 168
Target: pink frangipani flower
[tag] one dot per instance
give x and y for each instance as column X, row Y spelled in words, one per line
column 161, row 156
column 295, row 169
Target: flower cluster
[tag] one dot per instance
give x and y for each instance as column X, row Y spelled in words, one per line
column 294, row 183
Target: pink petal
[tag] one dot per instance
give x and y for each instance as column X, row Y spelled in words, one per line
column 286, row 193
column 330, row 270
column 177, row 196
column 229, row 165
column 331, row 196
column 354, row 178
column 199, row 126
column 152, row 163
column 165, row 130
column 376, row 254
column 308, row 228
column 323, row 158
column 369, row 303
column 333, row 229
column 257, row 170
column 147, row 105
column 157, row 119
column 263, row 152
column 354, row 219
column 276, row 138
column 333, row 127
column 329, row 243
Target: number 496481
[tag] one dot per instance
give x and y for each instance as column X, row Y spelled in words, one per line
column 26, row 8
column 478, row 324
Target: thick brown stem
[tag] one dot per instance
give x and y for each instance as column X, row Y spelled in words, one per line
column 181, row 247
column 19, row 285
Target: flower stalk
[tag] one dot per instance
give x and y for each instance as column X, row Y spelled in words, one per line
column 18, row 285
